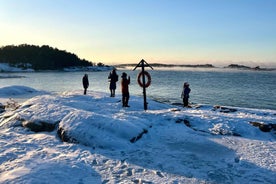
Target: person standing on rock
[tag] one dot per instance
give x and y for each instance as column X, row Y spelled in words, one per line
column 85, row 83
column 113, row 78
column 124, row 86
column 185, row 94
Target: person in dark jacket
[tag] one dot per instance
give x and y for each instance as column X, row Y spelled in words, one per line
column 185, row 94
column 113, row 78
column 125, row 92
column 85, row 83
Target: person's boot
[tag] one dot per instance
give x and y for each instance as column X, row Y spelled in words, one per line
column 126, row 103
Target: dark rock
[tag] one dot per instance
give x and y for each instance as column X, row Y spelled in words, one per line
column 186, row 122
column 256, row 124
column 224, row 109
column 264, row 127
column 40, row 126
column 26, row 106
column 139, row 136
column 138, row 181
column 2, row 108
column 236, row 134
column 63, row 135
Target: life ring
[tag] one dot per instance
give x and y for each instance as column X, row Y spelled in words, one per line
column 140, row 79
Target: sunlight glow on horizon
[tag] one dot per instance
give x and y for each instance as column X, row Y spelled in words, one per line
column 181, row 32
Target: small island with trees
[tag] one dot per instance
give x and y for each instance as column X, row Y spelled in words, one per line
column 42, row 58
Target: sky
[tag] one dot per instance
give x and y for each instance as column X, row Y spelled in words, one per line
column 218, row 32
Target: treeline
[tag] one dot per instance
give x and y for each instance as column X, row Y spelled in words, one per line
column 40, row 58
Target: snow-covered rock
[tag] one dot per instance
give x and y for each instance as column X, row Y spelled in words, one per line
column 112, row 144
column 16, row 90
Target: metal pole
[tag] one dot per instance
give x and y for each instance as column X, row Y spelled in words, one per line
column 142, row 65
column 144, row 86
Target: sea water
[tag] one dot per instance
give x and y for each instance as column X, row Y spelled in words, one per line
column 211, row 86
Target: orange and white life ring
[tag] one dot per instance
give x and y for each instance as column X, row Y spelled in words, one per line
column 140, row 79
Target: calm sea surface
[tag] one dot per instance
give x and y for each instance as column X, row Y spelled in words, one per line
column 238, row 88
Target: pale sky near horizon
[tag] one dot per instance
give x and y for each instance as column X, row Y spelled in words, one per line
column 218, row 32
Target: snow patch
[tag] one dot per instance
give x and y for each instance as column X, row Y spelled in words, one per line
column 5, row 67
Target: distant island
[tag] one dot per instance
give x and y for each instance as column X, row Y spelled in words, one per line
column 231, row 66
column 236, row 66
column 169, row 65
column 41, row 58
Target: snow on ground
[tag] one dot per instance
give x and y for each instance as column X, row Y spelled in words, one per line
column 16, row 90
column 5, row 67
column 10, row 93
column 165, row 144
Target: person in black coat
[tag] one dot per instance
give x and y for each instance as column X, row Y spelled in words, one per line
column 185, row 94
column 85, row 83
column 113, row 78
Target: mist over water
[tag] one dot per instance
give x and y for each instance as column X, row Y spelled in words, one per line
column 238, row 88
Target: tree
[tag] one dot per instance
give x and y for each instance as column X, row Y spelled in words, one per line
column 40, row 58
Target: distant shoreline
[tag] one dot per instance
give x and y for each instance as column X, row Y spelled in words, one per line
column 6, row 67
column 169, row 65
column 231, row 66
